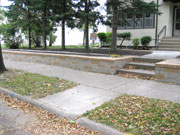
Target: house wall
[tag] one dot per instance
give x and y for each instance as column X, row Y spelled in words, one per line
column 166, row 18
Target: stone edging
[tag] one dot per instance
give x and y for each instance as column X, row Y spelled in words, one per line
column 171, row 63
column 168, row 71
column 107, row 65
column 109, row 59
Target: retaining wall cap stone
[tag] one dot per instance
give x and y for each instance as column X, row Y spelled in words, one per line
column 171, row 63
column 107, row 59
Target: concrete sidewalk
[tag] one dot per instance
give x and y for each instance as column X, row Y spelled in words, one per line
column 94, row 88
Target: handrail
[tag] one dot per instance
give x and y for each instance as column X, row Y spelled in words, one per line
column 159, row 34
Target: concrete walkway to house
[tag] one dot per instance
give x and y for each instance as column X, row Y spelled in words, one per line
column 162, row 55
column 94, row 88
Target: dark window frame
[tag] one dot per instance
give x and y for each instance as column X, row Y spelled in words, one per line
column 134, row 24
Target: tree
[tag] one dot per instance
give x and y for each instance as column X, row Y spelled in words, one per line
column 20, row 14
column 62, row 12
column 131, row 6
column 33, row 18
column 2, row 66
column 87, row 15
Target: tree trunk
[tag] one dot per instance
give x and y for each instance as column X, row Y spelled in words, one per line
column 2, row 66
column 44, row 30
column 87, row 2
column 122, row 42
column 84, row 38
column 114, row 28
column 50, row 42
column 29, row 29
column 63, row 26
column 63, row 35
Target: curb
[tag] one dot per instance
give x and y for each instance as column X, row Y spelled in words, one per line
column 105, row 130
column 61, row 113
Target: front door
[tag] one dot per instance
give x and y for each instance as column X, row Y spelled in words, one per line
column 177, row 23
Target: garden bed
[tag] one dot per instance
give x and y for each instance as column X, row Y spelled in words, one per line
column 139, row 115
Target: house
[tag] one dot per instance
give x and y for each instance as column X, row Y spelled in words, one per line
column 165, row 27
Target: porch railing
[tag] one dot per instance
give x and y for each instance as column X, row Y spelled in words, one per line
column 163, row 30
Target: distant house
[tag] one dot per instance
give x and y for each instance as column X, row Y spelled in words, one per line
column 165, row 25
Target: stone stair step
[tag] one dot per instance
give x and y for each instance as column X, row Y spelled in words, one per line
column 145, row 66
column 146, row 60
column 144, row 73
column 172, row 38
column 169, row 43
column 169, row 46
column 168, row 49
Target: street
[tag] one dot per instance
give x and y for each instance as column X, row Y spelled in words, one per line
column 11, row 120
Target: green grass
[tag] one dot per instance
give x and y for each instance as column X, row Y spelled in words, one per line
column 34, row 85
column 139, row 115
column 53, row 47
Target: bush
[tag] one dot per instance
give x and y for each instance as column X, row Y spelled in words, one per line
column 108, row 37
column 124, row 36
column 145, row 41
column 11, row 36
column 136, row 42
column 102, row 37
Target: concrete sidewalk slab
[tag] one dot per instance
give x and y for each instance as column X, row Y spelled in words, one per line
column 80, row 99
column 95, row 80
column 151, row 89
column 104, row 82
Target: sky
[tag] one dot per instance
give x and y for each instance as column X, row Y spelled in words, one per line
column 4, row 2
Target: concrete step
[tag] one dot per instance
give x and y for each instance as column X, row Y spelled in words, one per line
column 172, row 44
column 146, row 60
column 169, row 46
column 170, row 40
column 168, row 49
column 144, row 66
column 144, row 73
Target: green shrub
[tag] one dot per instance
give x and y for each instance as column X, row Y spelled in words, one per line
column 102, row 37
column 136, row 42
column 124, row 36
column 11, row 36
column 145, row 41
column 108, row 37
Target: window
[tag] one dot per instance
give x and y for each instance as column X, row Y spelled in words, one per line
column 149, row 21
column 129, row 21
column 135, row 21
column 121, row 18
column 139, row 21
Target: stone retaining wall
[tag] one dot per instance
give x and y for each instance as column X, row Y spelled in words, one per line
column 168, row 71
column 86, row 63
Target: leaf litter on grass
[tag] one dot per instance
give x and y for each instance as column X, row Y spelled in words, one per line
column 139, row 115
column 33, row 85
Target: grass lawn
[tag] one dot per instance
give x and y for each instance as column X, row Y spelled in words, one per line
column 139, row 115
column 33, row 85
column 54, row 47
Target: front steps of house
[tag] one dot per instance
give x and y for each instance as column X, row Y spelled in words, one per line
column 143, row 67
column 170, row 44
